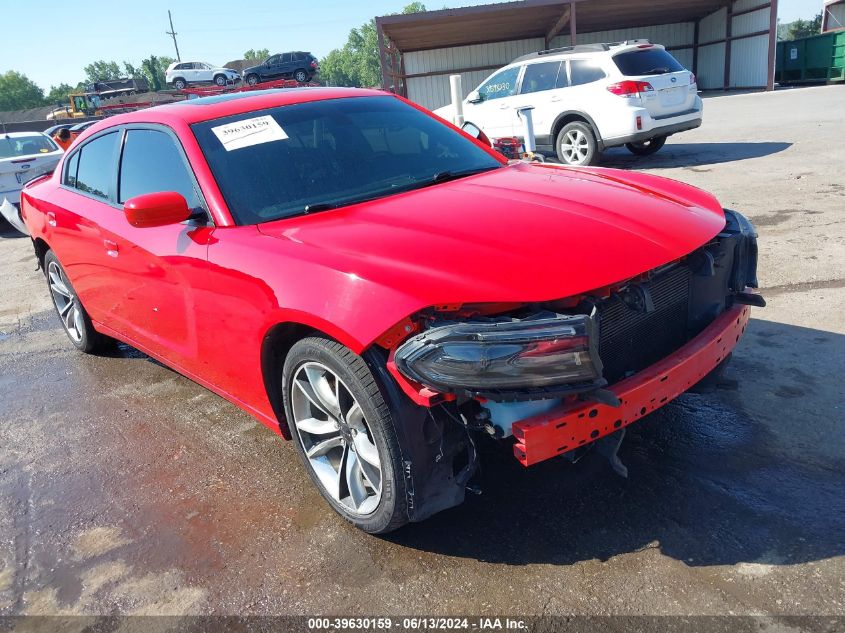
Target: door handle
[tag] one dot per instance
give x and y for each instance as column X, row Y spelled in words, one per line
column 51, row 218
column 504, row 106
column 555, row 99
column 111, row 248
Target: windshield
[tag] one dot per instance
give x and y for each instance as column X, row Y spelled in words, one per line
column 14, row 146
column 314, row 156
column 648, row 61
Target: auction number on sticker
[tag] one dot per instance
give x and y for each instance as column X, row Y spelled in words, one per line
column 494, row 88
column 348, row 624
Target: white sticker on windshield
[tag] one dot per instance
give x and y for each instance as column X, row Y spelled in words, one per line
column 262, row 129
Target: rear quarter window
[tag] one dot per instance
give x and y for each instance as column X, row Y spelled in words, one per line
column 584, row 71
column 648, row 61
column 97, row 165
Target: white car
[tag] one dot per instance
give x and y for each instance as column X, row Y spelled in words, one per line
column 183, row 74
column 588, row 98
column 23, row 156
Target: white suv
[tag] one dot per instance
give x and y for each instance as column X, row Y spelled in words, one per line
column 588, row 98
column 182, row 74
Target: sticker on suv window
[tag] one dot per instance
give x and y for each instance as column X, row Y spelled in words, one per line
column 262, row 129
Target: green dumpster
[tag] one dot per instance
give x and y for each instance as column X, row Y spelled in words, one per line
column 820, row 58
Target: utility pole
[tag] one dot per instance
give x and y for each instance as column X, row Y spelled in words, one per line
column 172, row 34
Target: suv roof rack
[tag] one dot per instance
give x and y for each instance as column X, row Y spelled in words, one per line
column 582, row 48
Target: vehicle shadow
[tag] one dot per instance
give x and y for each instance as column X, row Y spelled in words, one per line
column 717, row 479
column 691, row 154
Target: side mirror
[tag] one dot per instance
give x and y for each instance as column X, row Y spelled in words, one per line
column 475, row 97
column 475, row 132
column 156, row 209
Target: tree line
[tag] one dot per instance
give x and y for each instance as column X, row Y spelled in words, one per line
column 19, row 92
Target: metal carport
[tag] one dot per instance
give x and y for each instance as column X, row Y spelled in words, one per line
column 728, row 44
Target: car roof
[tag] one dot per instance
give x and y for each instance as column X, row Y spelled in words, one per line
column 19, row 134
column 610, row 48
column 208, row 108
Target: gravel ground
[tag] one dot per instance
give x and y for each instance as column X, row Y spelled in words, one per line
column 126, row 488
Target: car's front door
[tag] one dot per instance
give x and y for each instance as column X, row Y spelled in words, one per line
column 493, row 108
column 149, row 271
column 272, row 68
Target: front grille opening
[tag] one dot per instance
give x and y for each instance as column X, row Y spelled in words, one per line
column 631, row 340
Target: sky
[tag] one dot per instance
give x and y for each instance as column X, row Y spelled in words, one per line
column 57, row 39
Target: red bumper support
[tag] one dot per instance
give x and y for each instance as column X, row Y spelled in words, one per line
column 571, row 425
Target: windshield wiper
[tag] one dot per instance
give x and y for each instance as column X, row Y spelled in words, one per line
column 440, row 176
column 320, row 206
column 446, row 176
column 658, row 71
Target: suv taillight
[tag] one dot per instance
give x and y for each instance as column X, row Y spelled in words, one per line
column 313, row 64
column 630, row 88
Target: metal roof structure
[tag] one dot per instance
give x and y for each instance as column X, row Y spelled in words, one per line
column 534, row 18
column 543, row 21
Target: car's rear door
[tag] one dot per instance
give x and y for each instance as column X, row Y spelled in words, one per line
column 148, row 271
column 587, row 92
column 83, row 198
column 287, row 67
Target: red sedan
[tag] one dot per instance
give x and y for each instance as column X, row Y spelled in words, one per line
column 385, row 289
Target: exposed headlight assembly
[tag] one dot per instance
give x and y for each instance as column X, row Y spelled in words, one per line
column 505, row 359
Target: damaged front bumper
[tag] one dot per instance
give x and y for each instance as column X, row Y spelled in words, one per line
column 569, row 426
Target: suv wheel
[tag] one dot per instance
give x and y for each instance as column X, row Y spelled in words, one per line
column 220, row 80
column 343, row 431
column 301, row 76
column 576, row 144
column 180, row 84
column 252, row 79
column 647, row 148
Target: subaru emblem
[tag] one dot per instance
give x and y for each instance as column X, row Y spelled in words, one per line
column 674, row 80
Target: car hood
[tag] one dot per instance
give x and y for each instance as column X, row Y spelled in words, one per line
column 520, row 233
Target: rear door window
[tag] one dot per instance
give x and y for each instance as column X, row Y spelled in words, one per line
column 152, row 163
column 96, row 165
column 647, row 61
column 539, row 77
column 583, row 71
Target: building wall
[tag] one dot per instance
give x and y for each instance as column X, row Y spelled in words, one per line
column 433, row 91
column 748, row 67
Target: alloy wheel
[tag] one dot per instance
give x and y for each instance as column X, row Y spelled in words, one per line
column 66, row 302
column 336, row 438
column 575, row 147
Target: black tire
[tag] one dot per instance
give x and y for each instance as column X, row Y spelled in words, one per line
column 355, row 375
column 587, row 152
column 180, row 84
column 220, row 80
column 252, row 80
column 647, row 148
column 88, row 339
column 301, row 76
